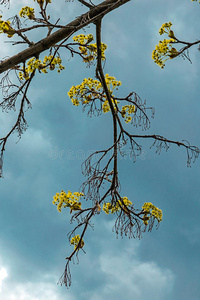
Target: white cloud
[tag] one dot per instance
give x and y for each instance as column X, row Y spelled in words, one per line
column 135, row 277
column 3, row 275
column 34, row 141
column 126, row 275
column 30, row 291
column 42, row 290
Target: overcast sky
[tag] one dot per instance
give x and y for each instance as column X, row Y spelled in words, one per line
column 162, row 265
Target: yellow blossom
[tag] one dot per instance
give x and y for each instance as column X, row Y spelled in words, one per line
column 110, row 208
column 126, row 111
column 5, row 27
column 27, row 12
column 67, row 200
column 88, row 50
column 90, row 89
column 165, row 28
column 164, row 50
column 75, row 240
column 151, row 211
column 128, row 119
column 48, row 63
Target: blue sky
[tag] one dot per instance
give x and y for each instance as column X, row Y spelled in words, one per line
column 162, row 265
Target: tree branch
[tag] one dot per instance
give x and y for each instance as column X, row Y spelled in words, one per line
column 90, row 17
column 101, row 77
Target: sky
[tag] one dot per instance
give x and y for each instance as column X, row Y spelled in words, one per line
column 165, row 263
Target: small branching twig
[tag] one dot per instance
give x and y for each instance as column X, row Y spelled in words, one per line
column 21, row 124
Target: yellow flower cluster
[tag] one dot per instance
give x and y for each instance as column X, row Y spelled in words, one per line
column 5, row 27
column 75, row 240
column 112, row 83
column 88, row 50
column 166, row 28
column 48, row 63
column 109, row 208
column 67, row 200
column 84, row 91
column 55, row 63
column 151, row 210
column 91, row 88
column 83, row 39
column 164, row 49
column 126, row 111
column 27, row 12
column 106, row 106
column 196, row 0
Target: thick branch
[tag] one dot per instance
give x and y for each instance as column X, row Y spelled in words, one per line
column 101, row 77
column 91, row 16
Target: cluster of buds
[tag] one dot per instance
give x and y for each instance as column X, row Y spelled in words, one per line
column 5, row 27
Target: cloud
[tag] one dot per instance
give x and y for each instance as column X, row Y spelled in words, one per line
column 121, row 273
column 41, row 290
column 30, row 291
column 134, row 278
column 34, row 141
column 3, row 275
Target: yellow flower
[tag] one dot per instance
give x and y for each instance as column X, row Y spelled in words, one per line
column 150, row 211
column 48, row 63
column 75, row 240
column 165, row 28
column 27, row 12
column 110, row 208
column 90, row 89
column 70, row 200
column 5, row 27
column 128, row 119
column 164, row 50
column 88, row 50
column 126, row 111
